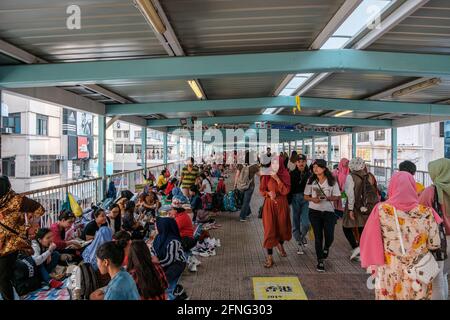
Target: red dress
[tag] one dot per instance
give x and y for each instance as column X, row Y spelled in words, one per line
column 276, row 213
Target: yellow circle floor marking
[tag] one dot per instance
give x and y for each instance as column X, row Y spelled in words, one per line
column 278, row 288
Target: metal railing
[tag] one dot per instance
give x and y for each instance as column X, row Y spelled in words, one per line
column 384, row 174
column 93, row 190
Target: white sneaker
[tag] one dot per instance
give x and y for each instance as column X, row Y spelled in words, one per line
column 195, row 260
column 355, row 253
column 204, row 254
column 218, row 243
column 192, row 267
column 300, row 250
column 212, row 252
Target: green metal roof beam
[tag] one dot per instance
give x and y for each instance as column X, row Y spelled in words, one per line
column 214, row 66
column 288, row 119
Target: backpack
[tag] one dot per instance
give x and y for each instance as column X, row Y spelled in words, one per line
column 26, row 277
column 229, row 202
column 238, row 198
column 243, row 181
column 83, row 282
column 218, row 201
column 368, row 197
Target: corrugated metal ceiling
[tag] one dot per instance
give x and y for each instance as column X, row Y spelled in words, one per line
column 427, row 31
column 238, row 26
column 110, row 29
column 355, row 85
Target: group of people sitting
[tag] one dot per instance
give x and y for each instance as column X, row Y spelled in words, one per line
column 142, row 241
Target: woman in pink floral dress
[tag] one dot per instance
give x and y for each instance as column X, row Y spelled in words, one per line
column 380, row 241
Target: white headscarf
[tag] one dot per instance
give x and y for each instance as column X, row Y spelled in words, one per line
column 356, row 164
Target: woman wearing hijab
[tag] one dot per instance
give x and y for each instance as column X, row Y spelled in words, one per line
column 167, row 247
column 360, row 188
column 437, row 196
column 398, row 232
column 104, row 234
column 19, row 217
column 341, row 173
column 274, row 187
column 112, row 191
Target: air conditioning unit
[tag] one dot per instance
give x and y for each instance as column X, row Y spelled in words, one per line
column 7, row 130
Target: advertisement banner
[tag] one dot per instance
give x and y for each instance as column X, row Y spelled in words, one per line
column 72, row 147
column 69, row 122
column 84, row 124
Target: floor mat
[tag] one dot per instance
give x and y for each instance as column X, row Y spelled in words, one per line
column 52, row 294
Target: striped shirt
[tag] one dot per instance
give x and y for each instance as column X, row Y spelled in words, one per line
column 188, row 178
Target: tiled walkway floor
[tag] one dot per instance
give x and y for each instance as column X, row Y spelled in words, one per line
column 228, row 275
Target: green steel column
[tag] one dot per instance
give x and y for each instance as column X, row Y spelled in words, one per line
column 178, row 149
column 329, row 150
column 101, row 161
column 394, row 148
column 313, row 148
column 144, row 148
column 295, row 145
column 165, row 148
column 290, row 147
column 303, row 146
column 353, row 145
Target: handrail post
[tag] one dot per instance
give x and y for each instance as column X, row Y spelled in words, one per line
column 101, row 159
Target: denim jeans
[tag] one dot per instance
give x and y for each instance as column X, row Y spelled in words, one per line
column 46, row 268
column 245, row 209
column 173, row 274
column 323, row 223
column 440, row 284
column 300, row 217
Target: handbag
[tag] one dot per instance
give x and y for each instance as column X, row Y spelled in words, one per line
column 424, row 269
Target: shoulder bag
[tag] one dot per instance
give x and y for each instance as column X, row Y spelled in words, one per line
column 424, row 269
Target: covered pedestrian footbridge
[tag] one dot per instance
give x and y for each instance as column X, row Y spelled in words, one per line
column 313, row 69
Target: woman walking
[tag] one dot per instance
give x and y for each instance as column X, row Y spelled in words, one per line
column 321, row 191
column 437, row 196
column 341, row 173
column 398, row 233
column 274, row 187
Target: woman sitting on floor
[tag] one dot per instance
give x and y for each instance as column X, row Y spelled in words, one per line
column 71, row 248
column 99, row 220
column 148, row 275
column 104, row 234
column 167, row 247
column 130, row 224
column 45, row 256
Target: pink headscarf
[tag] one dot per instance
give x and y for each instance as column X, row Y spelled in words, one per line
column 403, row 196
column 342, row 172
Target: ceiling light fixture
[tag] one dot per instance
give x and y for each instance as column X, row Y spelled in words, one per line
column 343, row 113
column 151, row 15
column 196, row 88
column 417, row 87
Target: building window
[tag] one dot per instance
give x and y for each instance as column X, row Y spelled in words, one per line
column 137, row 148
column 12, row 122
column 9, row 166
column 137, row 134
column 363, row 137
column 119, row 148
column 379, row 170
column 41, row 125
column 128, row 148
column 118, row 134
column 44, row 165
column 126, row 134
column 380, row 135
